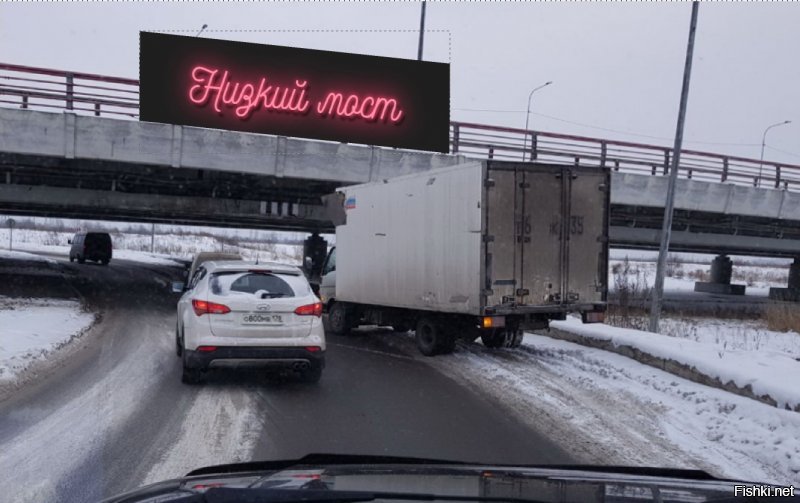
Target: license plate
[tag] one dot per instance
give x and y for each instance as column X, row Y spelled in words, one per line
column 261, row 319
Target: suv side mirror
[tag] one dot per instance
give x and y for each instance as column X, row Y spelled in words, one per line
column 69, row 241
column 178, row 287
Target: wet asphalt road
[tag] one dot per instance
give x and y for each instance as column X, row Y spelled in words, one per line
column 114, row 414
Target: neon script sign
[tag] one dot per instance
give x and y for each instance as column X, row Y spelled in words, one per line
column 287, row 91
column 215, row 86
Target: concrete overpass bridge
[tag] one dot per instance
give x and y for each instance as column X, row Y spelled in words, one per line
column 70, row 146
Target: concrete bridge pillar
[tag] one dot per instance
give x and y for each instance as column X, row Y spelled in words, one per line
column 721, row 273
column 792, row 292
column 316, row 248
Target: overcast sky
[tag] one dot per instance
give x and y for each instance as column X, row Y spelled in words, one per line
column 616, row 68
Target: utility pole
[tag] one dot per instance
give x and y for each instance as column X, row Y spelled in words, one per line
column 421, row 32
column 666, row 230
column 11, row 222
column 152, row 237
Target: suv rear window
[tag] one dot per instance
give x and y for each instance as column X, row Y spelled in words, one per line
column 264, row 284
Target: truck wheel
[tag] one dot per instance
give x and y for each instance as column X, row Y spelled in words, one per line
column 81, row 259
column 427, row 337
column 340, row 319
column 432, row 339
column 515, row 338
column 493, row 339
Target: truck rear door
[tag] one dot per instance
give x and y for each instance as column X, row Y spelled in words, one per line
column 545, row 235
column 587, row 230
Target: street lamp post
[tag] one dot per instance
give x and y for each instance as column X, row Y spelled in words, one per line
column 528, row 115
column 763, row 144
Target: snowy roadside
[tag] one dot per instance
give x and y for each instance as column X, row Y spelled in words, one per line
column 609, row 409
column 31, row 249
column 169, row 248
column 35, row 327
column 766, row 373
column 21, row 255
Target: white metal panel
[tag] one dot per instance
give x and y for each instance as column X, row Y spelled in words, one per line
column 414, row 241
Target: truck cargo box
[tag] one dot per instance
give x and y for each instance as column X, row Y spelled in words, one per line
column 480, row 238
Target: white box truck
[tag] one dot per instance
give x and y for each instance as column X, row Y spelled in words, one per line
column 484, row 249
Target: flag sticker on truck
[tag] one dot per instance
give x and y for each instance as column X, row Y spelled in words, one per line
column 350, row 203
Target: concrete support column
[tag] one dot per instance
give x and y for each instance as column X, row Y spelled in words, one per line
column 794, row 274
column 721, row 273
column 792, row 293
column 316, row 248
column 721, row 270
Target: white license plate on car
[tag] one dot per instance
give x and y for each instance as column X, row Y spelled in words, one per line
column 261, row 319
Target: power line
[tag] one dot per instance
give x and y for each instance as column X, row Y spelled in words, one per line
column 609, row 130
column 783, row 151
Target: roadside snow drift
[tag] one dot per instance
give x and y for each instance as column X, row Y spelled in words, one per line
column 773, row 375
column 31, row 328
column 608, row 409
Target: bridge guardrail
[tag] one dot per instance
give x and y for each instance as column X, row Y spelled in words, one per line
column 43, row 88
column 31, row 87
column 479, row 140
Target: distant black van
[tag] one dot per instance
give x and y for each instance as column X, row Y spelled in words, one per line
column 94, row 246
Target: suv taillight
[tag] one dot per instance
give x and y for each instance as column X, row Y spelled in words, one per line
column 310, row 310
column 202, row 307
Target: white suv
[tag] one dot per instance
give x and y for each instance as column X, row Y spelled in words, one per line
column 237, row 314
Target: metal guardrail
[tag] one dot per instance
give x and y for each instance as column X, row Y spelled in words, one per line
column 30, row 87
column 493, row 142
column 43, row 88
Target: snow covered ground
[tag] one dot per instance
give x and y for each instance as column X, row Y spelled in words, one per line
column 32, row 328
column 609, row 408
column 21, row 255
column 684, row 269
column 43, row 234
column 756, row 365
column 135, row 247
column 728, row 335
column 613, row 410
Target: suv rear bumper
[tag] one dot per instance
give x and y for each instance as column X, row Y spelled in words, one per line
column 238, row 356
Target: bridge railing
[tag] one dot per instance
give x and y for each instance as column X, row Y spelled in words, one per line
column 482, row 141
column 44, row 88
column 30, row 87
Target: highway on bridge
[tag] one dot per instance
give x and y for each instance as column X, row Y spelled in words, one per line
column 90, row 159
column 117, row 396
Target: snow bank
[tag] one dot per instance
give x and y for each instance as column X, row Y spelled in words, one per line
column 769, row 374
column 144, row 257
column 31, row 328
column 182, row 242
column 19, row 255
column 607, row 409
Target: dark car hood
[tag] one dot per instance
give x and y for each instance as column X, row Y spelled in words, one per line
column 322, row 477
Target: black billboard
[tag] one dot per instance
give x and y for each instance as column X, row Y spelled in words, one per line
column 294, row 92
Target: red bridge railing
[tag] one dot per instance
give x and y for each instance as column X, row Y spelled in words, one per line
column 43, row 88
